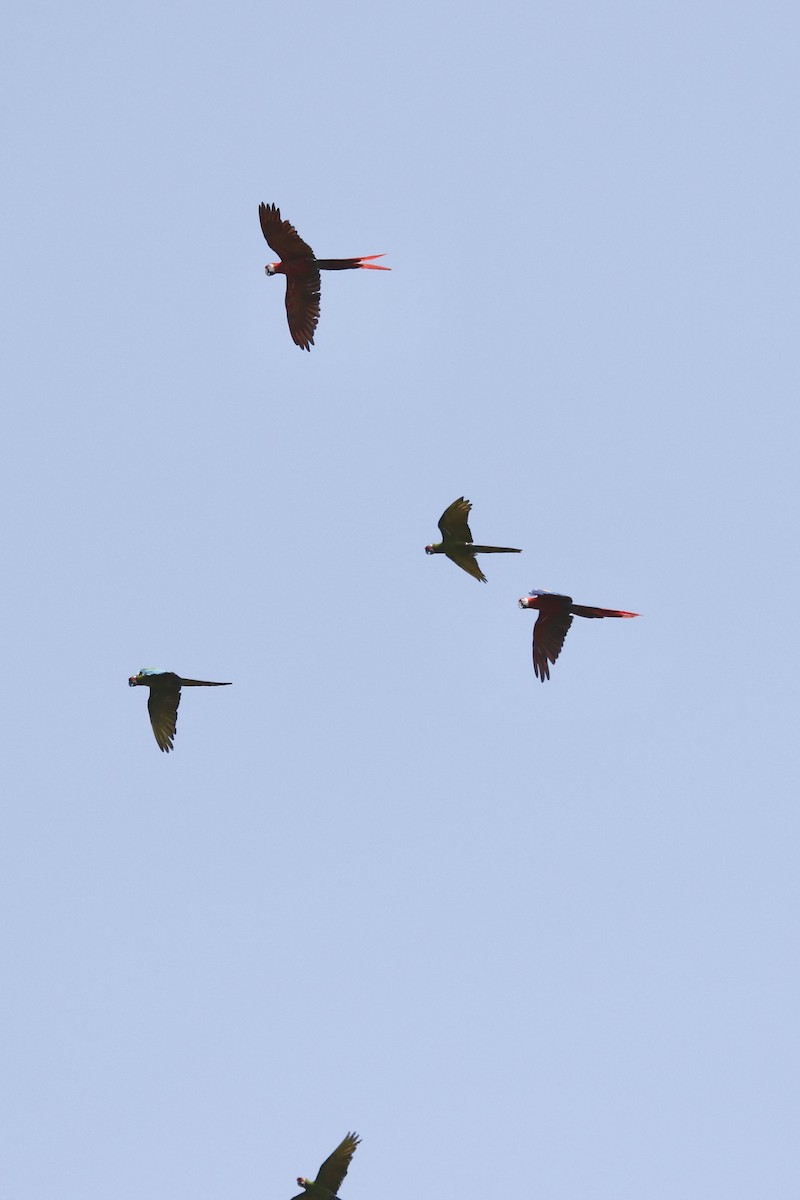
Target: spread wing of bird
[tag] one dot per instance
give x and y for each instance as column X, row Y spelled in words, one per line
column 552, row 626
column 334, row 1169
column 302, row 307
column 467, row 562
column 453, row 523
column 282, row 235
column 162, row 705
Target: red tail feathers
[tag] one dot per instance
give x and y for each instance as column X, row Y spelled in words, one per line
column 364, row 261
column 584, row 610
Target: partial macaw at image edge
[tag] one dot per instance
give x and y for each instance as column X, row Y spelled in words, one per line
column 331, row 1173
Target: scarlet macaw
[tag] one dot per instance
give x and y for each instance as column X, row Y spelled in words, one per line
column 301, row 268
column 552, row 624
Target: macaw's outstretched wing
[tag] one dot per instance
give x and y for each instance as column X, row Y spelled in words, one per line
column 468, row 563
column 162, row 705
column 282, row 235
column 334, row 1169
column 302, row 307
column 453, row 523
column 552, row 626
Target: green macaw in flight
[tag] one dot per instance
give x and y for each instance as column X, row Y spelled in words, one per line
column 165, row 696
column 457, row 541
column 331, row 1173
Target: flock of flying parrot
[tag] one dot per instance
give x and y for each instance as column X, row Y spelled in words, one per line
column 301, row 268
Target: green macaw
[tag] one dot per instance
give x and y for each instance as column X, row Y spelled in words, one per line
column 457, row 542
column 165, row 696
column 331, row 1173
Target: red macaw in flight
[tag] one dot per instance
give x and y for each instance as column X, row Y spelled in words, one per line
column 552, row 625
column 302, row 268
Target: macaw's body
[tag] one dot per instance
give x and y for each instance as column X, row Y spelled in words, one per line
column 331, row 1173
column 165, row 696
column 302, row 268
column 552, row 625
column 457, row 541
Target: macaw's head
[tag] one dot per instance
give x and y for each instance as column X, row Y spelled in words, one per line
column 303, row 1183
column 270, row 268
column 528, row 602
column 141, row 678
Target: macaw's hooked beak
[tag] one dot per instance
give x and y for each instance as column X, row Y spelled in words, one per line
column 132, row 681
column 270, row 268
column 429, row 549
column 523, row 602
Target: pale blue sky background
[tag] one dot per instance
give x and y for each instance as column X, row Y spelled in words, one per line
column 525, row 939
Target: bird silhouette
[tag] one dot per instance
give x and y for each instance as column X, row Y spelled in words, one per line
column 302, row 268
column 165, row 696
column 552, row 624
column 457, row 541
column 331, row 1173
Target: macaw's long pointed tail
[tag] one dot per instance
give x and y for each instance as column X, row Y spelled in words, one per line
column 201, row 683
column 368, row 265
column 581, row 610
column 350, row 264
column 495, row 550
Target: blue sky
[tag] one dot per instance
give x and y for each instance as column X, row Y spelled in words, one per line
column 518, row 936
